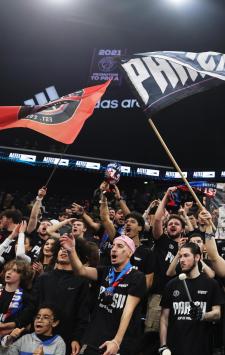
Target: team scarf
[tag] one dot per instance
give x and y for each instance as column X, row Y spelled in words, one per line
column 114, row 280
column 14, row 306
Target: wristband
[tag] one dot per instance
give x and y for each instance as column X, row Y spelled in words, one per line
column 119, row 199
column 39, row 198
column 115, row 342
column 209, row 236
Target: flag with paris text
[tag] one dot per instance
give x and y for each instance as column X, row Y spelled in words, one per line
column 160, row 79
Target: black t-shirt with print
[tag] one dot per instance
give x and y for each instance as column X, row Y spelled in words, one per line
column 4, row 233
column 164, row 251
column 186, row 336
column 9, row 253
column 106, row 318
column 36, row 244
column 143, row 260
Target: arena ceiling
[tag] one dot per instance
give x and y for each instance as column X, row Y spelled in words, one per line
column 51, row 42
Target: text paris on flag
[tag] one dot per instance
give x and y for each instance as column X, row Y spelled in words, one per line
column 61, row 119
column 163, row 78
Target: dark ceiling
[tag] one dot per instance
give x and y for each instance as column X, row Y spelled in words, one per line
column 48, row 42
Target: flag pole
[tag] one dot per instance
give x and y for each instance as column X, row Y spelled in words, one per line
column 175, row 164
column 56, row 166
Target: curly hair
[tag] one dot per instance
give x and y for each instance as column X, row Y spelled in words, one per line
column 24, row 269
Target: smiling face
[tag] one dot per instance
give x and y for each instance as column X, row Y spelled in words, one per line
column 44, row 322
column 63, row 257
column 112, row 213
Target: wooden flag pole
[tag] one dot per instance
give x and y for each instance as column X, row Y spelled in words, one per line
column 175, row 164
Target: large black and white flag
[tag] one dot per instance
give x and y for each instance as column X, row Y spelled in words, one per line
column 162, row 78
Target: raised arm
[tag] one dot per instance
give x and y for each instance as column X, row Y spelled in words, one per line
column 157, row 227
column 188, row 225
column 55, row 227
column 20, row 252
column 104, row 216
column 148, row 224
column 218, row 263
column 207, row 270
column 70, row 245
column 32, row 224
column 4, row 246
column 89, row 221
column 171, row 271
column 121, row 201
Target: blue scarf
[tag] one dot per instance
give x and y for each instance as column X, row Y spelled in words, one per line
column 115, row 280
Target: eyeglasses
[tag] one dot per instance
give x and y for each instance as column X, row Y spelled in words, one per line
column 44, row 317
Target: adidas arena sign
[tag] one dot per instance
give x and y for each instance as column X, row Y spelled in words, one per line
column 116, row 103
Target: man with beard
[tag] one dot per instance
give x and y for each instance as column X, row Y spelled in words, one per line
column 116, row 319
column 69, row 293
column 185, row 326
column 165, row 249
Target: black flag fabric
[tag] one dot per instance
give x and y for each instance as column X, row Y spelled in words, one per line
column 163, row 78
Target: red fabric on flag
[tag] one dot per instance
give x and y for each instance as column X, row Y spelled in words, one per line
column 61, row 119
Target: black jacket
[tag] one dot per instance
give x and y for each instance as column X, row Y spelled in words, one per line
column 70, row 295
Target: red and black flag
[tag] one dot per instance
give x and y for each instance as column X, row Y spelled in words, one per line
column 61, row 119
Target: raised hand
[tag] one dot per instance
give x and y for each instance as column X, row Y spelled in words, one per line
column 42, row 192
column 67, row 242
column 77, row 209
column 15, row 232
column 23, row 227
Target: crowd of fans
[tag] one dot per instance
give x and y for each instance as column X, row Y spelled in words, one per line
column 109, row 276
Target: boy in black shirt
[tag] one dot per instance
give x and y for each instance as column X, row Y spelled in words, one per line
column 116, row 319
